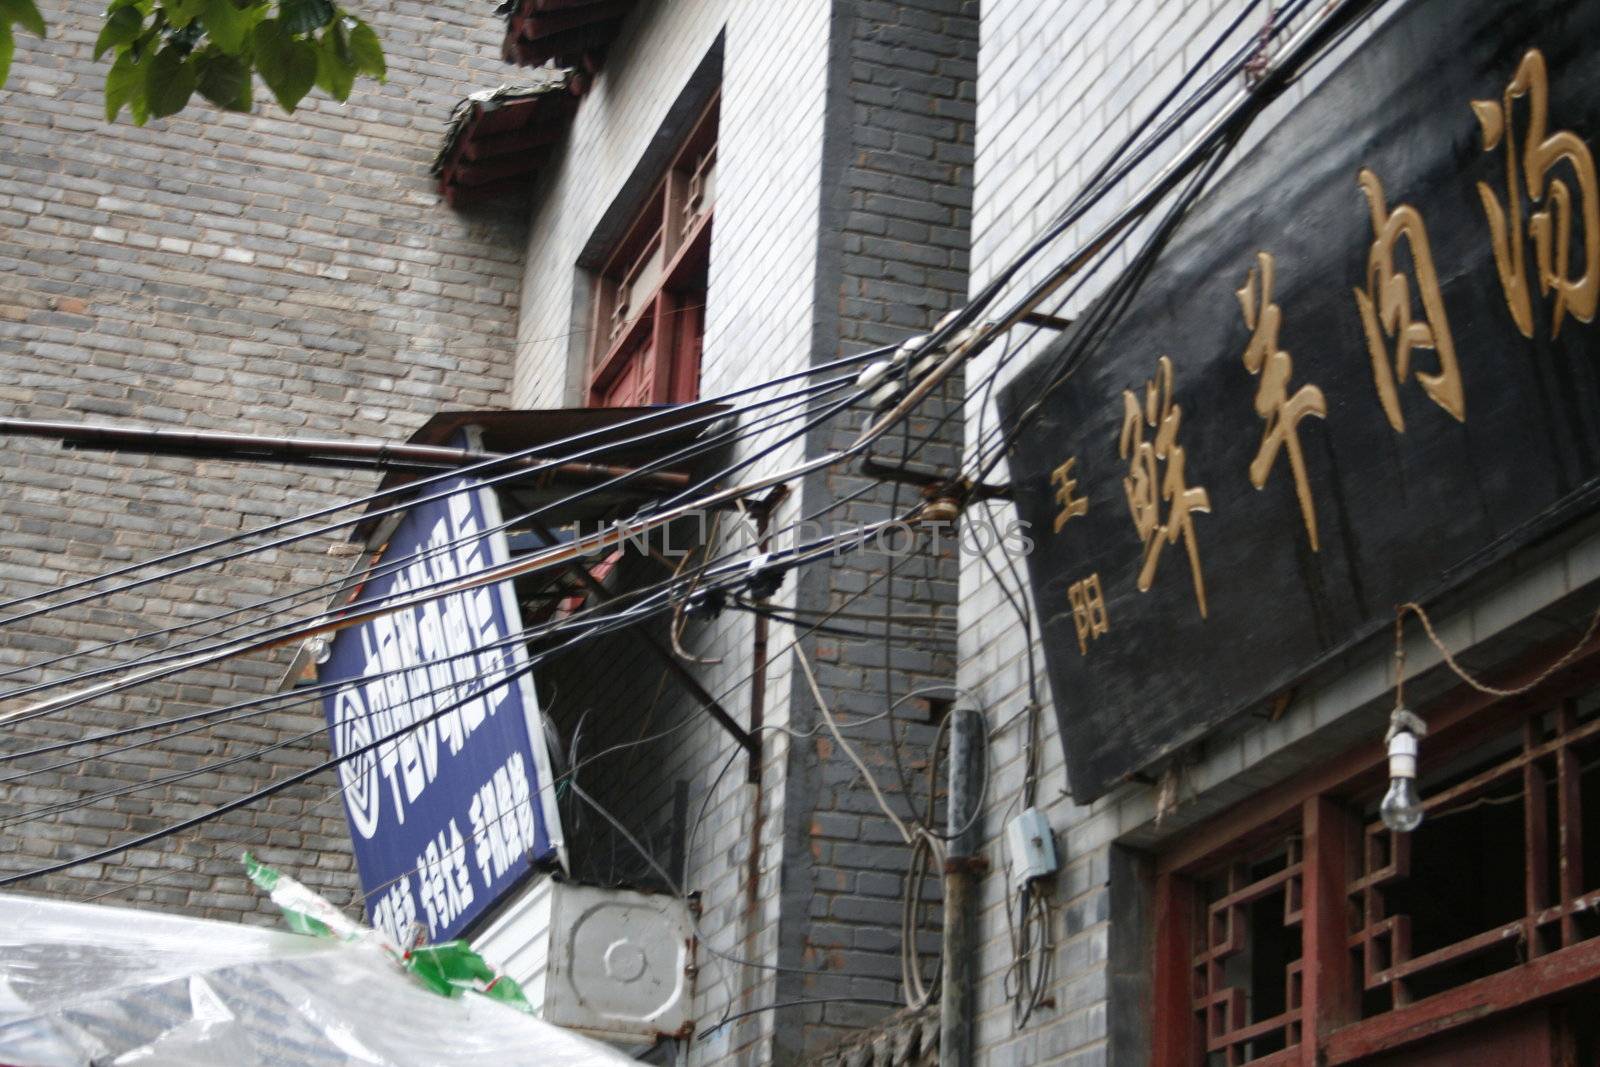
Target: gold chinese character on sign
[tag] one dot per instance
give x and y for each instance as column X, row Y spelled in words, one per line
column 1088, row 602
column 1386, row 309
column 1274, row 403
column 1066, row 485
column 1531, row 165
column 1156, row 475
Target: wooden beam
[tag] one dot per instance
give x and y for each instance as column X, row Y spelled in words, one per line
column 550, row 21
column 661, row 335
column 1539, row 979
column 1569, row 818
column 476, row 175
column 540, row 135
column 1046, row 322
column 1329, row 993
column 457, row 195
column 1536, row 843
column 1176, row 1041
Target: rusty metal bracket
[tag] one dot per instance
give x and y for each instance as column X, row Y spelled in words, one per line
column 685, row 677
column 933, row 483
column 978, row 865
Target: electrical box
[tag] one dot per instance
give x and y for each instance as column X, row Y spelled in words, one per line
column 613, row 963
column 1032, row 846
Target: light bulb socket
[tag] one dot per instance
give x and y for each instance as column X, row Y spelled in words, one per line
column 1403, row 755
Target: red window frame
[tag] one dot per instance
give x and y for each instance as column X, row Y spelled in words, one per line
column 648, row 316
column 1331, row 864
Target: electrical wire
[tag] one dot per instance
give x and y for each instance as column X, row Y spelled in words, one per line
column 869, row 434
column 864, row 355
column 456, row 473
column 1093, row 186
column 656, row 603
column 1211, row 148
column 801, row 1003
column 409, row 487
column 270, row 702
column 388, row 567
column 705, row 940
column 152, row 836
column 612, row 536
column 777, row 615
column 503, row 643
column 1032, row 944
column 1027, row 978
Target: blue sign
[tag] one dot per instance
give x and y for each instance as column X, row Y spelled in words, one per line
column 449, row 815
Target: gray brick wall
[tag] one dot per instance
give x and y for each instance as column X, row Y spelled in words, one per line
column 844, row 164
column 897, row 163
column 262, row 273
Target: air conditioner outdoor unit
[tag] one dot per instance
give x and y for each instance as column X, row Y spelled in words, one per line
column 614, row 963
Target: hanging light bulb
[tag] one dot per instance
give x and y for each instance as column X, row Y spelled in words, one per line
column 1401, row 809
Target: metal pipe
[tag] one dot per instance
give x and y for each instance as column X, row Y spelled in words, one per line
column 764, row 510
column 962, row 866
column 322, row 452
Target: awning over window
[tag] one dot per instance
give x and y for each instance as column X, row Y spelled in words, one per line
column 611, row 463
column 586, row 487
column 668, row 430
column 569, row 33
column 497, row 138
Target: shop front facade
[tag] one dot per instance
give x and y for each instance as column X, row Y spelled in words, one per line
column 1337, row 433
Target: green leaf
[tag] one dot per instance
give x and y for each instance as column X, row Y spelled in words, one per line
column 24, row 14
column 287, row 65
column 228, row 25
column 304, row 16
column 366, row 51
column 336, row 74
column 224, row 80
column 143, row 46
column 125, row 86
column 182, row 12
column 341, row 42
column 8, row 45
column 122, row 27
column 169, row 82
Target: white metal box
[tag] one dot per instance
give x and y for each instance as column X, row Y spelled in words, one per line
column 1032, row 846
column 613, row 963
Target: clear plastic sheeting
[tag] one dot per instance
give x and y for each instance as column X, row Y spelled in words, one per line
column 82, row 984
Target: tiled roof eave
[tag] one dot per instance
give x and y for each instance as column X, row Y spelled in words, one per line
column 569, row 33
column 498, row 137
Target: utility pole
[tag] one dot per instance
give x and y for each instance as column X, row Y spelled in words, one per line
column 962, row 867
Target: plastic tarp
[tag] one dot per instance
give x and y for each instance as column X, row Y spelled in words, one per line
column 82, row 984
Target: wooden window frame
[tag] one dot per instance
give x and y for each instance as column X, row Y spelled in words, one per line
column 1332, row 912
column 648, row 314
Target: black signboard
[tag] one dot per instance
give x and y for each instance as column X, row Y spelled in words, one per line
column 1365, row 369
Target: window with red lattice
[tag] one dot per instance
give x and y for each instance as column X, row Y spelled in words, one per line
column 1300, row 930
column 648, row 317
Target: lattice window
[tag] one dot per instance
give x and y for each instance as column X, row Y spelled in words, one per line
column 1297, row 929
column 1490, row 880
column 648, row 319
column 1247, row 967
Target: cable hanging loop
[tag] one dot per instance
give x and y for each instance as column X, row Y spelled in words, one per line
column 1413, row 608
